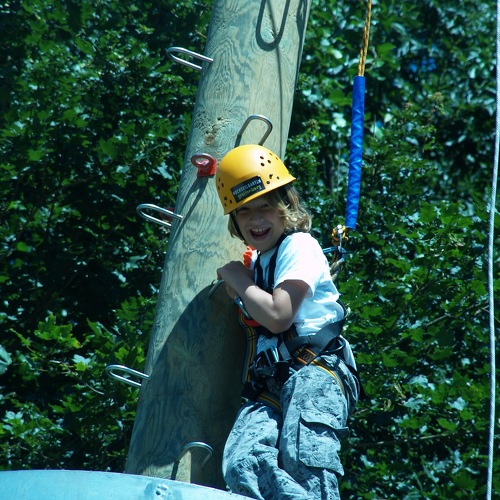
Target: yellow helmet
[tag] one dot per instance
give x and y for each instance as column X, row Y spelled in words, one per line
column 247, row 172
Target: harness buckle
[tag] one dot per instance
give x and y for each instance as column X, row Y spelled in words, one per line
column 305, row 355
column 267, row 366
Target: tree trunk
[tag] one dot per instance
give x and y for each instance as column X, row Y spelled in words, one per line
column 196, row 351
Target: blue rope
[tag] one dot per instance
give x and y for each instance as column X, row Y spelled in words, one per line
column 356, row 151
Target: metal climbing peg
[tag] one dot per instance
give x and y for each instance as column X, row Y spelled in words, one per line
column 111, row 369
column 185, row 449
column 266, row 120
column 171, row 50
column 197, row 444
column 168, row 213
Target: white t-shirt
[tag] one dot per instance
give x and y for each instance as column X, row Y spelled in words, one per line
column 300, row 257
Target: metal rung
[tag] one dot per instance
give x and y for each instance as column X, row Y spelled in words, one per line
column 163, row 211
column 197, row 444
column 266, row 120
column 110, row 370
column 190, row 53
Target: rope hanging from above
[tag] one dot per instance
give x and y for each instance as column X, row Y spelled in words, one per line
column 357, row 126
column 366, row 38
column 356, row 150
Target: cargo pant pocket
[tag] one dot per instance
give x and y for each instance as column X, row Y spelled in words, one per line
column 319, row 440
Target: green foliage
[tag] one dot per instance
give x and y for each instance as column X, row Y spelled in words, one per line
column 94, row 121
column 415, row 276
column 416, row 288
column 65, row 412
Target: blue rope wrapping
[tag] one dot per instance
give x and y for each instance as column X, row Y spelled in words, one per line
column 356, row 151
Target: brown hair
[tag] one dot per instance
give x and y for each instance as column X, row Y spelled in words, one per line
column 286, row 199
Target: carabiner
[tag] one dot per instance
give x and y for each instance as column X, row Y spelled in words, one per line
column 240, row 304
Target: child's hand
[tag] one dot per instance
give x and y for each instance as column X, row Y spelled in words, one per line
column 236, row 276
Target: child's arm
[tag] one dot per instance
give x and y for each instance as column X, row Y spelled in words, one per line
column 275, row 311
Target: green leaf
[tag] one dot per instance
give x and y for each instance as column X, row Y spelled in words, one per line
column 446, row 424
column 35, row 154
column 21, row 246
column 5, row 360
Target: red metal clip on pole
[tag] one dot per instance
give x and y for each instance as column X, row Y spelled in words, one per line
column 205, row 164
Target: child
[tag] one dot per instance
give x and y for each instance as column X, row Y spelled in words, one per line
column 300, row 385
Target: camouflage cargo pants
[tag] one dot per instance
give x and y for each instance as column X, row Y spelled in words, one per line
column 293, row 455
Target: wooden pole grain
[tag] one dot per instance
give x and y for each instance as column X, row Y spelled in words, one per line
column 196, row 350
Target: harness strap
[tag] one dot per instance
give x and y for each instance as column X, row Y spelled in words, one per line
column 295, row 351
column 316, row 343
column 312, row 346
column 272, row 267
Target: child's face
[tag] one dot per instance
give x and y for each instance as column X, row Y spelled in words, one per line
column 260, row 223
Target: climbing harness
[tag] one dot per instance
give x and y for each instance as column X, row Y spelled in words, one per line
column 265, row 373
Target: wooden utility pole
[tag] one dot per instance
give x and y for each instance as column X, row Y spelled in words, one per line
column 196, row 351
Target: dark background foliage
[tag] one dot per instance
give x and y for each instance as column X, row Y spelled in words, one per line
column 94, row 119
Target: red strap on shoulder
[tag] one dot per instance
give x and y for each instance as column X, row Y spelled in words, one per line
column 247, row 321
column 247, row 256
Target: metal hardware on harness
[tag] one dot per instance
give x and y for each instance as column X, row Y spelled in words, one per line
column 306, row 355
column 237, row 300
column 240, row 304
column 267, row 364
column 339, row 234
column 190, row 53
column 205, row 164
column 245, row 125
column 163, row 211
column 196, row 444
column 110, row 370
column 330, row 249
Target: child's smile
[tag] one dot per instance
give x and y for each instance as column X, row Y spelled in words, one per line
column 260, row 223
